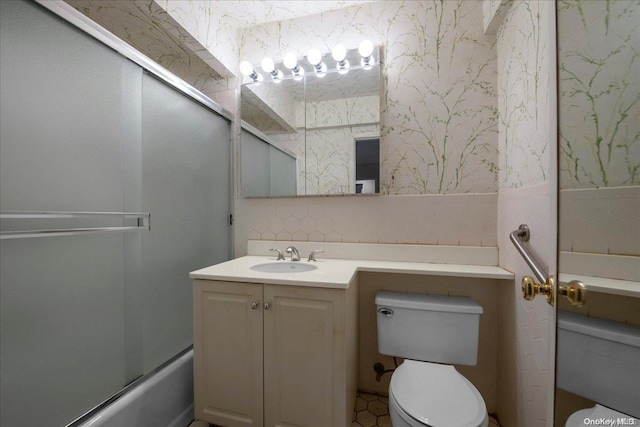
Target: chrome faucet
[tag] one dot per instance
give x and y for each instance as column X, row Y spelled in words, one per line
column 295, row 255
column 280, row 254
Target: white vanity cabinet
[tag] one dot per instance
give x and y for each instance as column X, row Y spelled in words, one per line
column 274, row 355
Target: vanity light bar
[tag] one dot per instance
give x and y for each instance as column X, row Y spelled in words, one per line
column 291, row 62
column 246, row 69
column 314, row 57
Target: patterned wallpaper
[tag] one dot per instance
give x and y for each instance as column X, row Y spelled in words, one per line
column 151, row 30
column 271, row 107
column 214, row 23
column 493, row 12
column 523, row 96
column 599, row 93
column 326, row 163
column 599, row 88
column 439, row 120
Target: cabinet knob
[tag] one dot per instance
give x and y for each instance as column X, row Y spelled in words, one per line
column 254, row 305
column 267, row 305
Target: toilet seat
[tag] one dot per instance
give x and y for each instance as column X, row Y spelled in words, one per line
column 583, row 416
column 437, row 395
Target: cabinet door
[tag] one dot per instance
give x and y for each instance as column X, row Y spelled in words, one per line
column 228, row 353
column 303, row 344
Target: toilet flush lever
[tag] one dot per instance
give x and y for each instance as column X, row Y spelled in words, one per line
column 387, row 312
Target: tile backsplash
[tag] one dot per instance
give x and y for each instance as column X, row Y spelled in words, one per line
column 600, row 220
column 454, row 219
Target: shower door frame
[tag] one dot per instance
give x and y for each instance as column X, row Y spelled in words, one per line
column 91, row 28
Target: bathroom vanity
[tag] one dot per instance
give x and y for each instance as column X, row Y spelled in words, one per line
column 282, row 348
column 285, row 352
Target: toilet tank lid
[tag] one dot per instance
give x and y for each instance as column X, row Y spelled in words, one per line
column 600, row 328
column 451, row 304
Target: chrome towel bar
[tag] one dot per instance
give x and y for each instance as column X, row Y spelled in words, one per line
column 141, row 222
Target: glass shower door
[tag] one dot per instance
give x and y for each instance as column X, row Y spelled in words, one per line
column 70, row 119
column 186, row 189
column 129, row 180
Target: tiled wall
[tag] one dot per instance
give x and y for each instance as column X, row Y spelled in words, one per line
column 602, row 220
column 525, row 328
column 527, row 194
column 457, row 219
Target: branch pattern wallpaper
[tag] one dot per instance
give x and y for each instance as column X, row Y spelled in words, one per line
column 599, row 86
column 439, row 117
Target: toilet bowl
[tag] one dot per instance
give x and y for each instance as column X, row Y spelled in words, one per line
column 431, row 394
column 425, row 329
column 597, row 415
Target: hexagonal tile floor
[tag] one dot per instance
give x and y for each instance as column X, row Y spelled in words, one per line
column 372, row 410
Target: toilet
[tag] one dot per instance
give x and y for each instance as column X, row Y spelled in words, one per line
column 599, row 359
column 431, row 332
column 586, row 417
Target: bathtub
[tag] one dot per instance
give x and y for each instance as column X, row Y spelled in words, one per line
column 162, row 398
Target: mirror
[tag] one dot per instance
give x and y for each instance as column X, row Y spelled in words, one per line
column 326, row 128
column 599, row 206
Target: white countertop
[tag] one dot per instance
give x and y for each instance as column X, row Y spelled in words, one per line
column 338, row 273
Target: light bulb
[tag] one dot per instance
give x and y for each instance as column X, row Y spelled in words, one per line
column 246, row 68
column 314, row 57
column 339, row 52
column 366, row 48
column 267, row 65
column 290, row 61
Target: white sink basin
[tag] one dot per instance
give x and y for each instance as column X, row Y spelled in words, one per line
column 283, row 267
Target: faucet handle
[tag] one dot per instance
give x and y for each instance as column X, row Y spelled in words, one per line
column 312, row 255
column 280, row 254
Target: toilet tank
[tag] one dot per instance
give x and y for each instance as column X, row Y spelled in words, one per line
column 600, row 360
column 431, row 328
